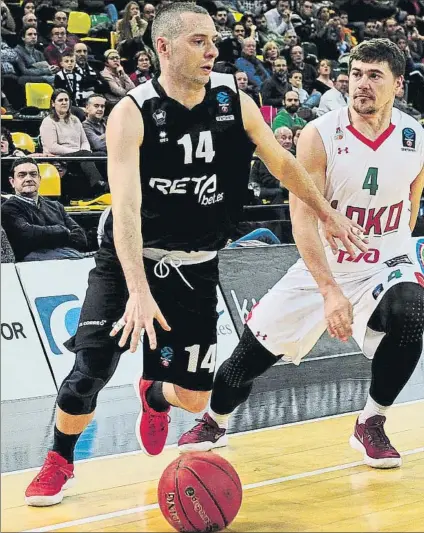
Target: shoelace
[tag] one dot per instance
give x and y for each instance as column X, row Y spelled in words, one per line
column 152, row 422
column 203, row 429
column 49, row 468
column 162, row 269
column 379, row 437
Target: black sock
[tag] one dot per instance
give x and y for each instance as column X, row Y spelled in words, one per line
column 392, row 366
column 155, row 397
column 234, row 379
column 64, row 444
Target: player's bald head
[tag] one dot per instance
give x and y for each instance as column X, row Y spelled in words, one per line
column 174, row 19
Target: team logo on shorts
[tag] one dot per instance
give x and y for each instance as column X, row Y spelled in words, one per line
column 166, row 355
column 377, row 291
column 159, row 116
column 408, row 139
column 420, row 253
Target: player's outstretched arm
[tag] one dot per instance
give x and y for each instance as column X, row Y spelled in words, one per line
column 124, row 136
column 294, row 177
column 417, row 188
column 338, row 310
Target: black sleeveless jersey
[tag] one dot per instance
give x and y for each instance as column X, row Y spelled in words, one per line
column 195, row 166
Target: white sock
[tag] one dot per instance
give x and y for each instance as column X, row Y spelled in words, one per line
column 221, row 420
column 372, row 408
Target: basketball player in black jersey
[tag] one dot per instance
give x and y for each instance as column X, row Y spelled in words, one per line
column 179, row 152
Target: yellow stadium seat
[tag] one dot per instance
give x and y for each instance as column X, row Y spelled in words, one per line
column 237, row 16
column 113, row 39
column 38, row 95
column 79, row 22
column 50, row 180
column 23, row 141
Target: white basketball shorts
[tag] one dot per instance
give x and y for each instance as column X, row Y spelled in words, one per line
column 290, row 318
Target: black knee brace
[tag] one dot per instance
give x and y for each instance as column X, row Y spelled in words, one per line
column 91, row 372
column 400, row 313
column 234, row 379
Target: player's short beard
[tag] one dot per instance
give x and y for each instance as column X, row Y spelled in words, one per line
column 369, row 110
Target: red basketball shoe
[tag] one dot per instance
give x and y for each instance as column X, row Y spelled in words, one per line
column 203, row 437
column 151, row 428
column 371, row 439
column 55, row 476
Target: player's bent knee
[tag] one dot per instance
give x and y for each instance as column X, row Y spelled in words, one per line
column 192, row 401
column 91, row 372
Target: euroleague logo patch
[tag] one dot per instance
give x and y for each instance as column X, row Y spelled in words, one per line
column 408, row 139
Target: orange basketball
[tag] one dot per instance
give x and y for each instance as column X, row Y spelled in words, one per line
column 199, row 492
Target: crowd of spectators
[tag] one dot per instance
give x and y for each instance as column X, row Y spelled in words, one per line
column 290, row 56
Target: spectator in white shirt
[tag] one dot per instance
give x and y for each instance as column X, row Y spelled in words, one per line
column 336, row 97
column 278, row 19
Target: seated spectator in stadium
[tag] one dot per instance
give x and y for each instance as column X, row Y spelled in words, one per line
column 69, row 79
column 270, row 53
column 230, row 49
column 65, row 5
column 295, row 80
column 28, row 6
column 58, row 46
column 284, row 137
column 91, row 81
column 274, row 88
column 391, row 29
column 249, row 26
column 270, row 187
column 130, row 30
column 8, row 148
column 370, row 31
column 144, row 71
column 62, row 134
column 347, row 33
column 402, row 104
column 38, row 229
column 8, row 26
column 278, row 19
column 361, row 10
column 149, row 13
column 304, row 21
column 243, row 85
column 61, row 19
column 221, row 21
column 330, row 38
column 335, row 98
column 296, row 131
column 323, row 83
column 7, row 255
column 249, row 63
column 263, row 35
column 309, row 74
column 118, row 82
column 95, row 124
column 31, row 63
column 411, row 65
column 288, row 116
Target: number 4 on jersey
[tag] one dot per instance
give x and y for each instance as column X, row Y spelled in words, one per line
column 370, row 181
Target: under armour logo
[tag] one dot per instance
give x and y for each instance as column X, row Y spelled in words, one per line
column 259, row 334
column 341, row 150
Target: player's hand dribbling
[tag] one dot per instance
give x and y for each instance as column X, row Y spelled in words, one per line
column 338, row 314
column 140, row 312
column 337, row 226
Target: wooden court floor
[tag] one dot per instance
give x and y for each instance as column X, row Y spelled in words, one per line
column 300, row 477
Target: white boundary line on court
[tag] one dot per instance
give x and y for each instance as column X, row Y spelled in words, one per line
column 232, row 435
column 144, row 508
column 318, row 358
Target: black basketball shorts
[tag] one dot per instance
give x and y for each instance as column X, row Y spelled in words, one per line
column 186, row 355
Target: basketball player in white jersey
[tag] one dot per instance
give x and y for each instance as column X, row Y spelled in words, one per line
column 368, row 161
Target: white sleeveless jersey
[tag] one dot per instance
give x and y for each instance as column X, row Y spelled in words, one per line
column 370, row 182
